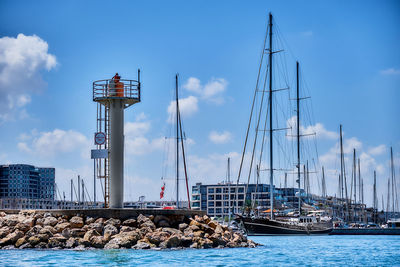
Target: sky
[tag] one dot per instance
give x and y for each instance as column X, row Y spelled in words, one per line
column 52, row 51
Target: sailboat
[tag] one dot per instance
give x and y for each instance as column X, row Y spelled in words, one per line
column 255, row 224
column 179, row 138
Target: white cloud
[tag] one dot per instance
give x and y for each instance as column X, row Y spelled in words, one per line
column 193, row 85
column 377, row 150
column 54, row 143
column 136, row 142
column 220, row 138
column 214, row 87
column 133, row 129
column 21, row 60
column 318, row 129
column 211, row 91
column 390, row 71
column 187, row 107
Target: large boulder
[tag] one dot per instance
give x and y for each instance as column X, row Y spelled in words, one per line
column 130, row 222
column 76, row 232
column 76, row 222
column 11, row 238
column 157, row 237
column 12, row 219
column 4, row 231
column 173, row 241
column 25, row 225
column 33, row 240
column 56, row 241
column 50, row 220
column 126, row 239
column 183, row 226
column 112, row 221
column 48, row 230
column 61, row 226
column 127, row 229
column 97, row 241
column 142, row 244
column 141, row 219
column 171, row 231
column 144, row 230
column 89, row 234
column 96, row 226
column 149, row 224
column 110, row 230
column 33, row 231
column 71, row 242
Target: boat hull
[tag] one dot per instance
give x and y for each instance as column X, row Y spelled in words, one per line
column 256, row 227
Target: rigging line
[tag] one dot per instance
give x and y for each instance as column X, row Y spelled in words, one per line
column 265, row 126
column 256, row 135
column 252, row 106
column 184, row 158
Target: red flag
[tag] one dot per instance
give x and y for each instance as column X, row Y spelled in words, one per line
column 162, row 191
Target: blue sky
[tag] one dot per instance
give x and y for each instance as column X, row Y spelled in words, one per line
column 348, row 52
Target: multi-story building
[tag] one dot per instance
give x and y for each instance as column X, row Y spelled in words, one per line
column 26, row 186
column 221, row 199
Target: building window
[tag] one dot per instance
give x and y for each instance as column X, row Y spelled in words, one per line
column 210, row 190
column 241, row 189
column 218, row 190
column 218, row 203
column 218, row 211
column 218, row 197
column 210, row 211
column 211, row 204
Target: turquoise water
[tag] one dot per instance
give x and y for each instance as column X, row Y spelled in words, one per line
column 277, row 251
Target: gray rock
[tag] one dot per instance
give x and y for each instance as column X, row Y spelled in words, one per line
column 183, row 226
column 112, row 221
column 50, row 221
column 111, row 246
column 142, row 245
column 90, row 220
column 130, row 222
column 110, row 230
column 61, row 226
column 76, row 222
column 173, row 241
column 76, row 232
column 26, row 245
column 98, row 241
column 171, row 231
column 96, row 226
column 71, row 242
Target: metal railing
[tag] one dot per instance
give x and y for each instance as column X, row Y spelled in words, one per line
column 107, row 89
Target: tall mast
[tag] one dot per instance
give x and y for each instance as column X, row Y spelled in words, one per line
column 341, row 164
column 298, row 132
column 271, row 167
column 229, row 189
column 177, row 142
column 393, row 179
column 184, row 159
column 375, row 198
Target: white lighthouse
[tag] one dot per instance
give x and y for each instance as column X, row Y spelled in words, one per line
column 113, row 96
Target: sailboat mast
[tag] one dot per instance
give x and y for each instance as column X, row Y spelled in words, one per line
column 393, row 180
column 177, row 142
column 271, row 166
column 229, row 189
column 298, row 132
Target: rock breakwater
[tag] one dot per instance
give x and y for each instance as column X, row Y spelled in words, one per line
column 32, row 229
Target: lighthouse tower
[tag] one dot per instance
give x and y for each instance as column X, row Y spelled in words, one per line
column 113, row 97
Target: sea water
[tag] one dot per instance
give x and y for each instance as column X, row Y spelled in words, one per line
column 276, row 251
